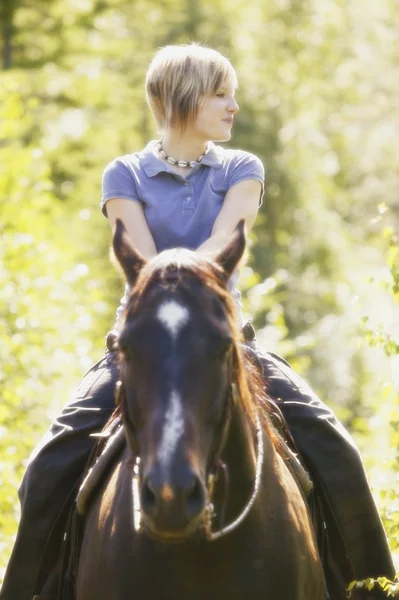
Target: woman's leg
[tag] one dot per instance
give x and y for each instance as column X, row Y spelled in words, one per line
column 53, row 470
column 332, row 456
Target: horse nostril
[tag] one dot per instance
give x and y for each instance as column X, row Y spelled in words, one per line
column 195, row 498
column 148, row 498
column 162, row 499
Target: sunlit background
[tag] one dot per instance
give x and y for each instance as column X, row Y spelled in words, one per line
column 319, row 91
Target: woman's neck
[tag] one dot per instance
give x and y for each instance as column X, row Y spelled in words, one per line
column 183, row 146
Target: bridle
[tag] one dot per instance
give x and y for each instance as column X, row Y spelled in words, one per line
column 209, row 512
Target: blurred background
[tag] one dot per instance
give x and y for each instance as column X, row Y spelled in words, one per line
column 319, row 95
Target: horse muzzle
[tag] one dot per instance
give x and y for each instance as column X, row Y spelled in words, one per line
column 172, row 505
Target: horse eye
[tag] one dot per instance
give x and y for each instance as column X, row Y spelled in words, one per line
column 127, row 351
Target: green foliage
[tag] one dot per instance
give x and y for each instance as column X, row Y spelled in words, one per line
column 386, row 464
column 389, row 587
column 389, row 342
column 51, row 305
column 390, row 345
column 317, row 93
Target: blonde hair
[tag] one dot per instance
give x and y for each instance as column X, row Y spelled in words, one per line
column 177, row 79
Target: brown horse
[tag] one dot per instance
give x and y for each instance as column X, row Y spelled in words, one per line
column 163, row 527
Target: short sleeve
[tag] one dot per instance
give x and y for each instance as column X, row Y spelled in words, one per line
column 117, row 182
column 247, row 166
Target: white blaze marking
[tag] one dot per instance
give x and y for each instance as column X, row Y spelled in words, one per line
column 174, row 316
column 173, row 429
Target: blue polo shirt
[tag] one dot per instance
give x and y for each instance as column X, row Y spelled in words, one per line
column 180, row 211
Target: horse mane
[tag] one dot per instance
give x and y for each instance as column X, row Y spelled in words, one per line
column 173, row 269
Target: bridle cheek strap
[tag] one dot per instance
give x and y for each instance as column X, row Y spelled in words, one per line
column 221, row 436
column 209, row 511
column 120, row 402
column 232, row 399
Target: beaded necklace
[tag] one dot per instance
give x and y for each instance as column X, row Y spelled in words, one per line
column 178, row 163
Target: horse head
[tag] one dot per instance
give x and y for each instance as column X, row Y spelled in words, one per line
column 179, row 351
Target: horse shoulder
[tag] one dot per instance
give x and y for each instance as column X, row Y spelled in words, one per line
column 100, row 527
column 302, row 539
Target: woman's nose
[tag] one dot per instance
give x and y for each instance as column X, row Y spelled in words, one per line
column 233, row 107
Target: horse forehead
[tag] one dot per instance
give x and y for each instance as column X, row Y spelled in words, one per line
column 173, row 315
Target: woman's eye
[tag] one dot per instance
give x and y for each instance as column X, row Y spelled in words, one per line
column 221, row 95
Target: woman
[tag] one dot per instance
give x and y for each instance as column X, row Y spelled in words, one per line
column 185, row 191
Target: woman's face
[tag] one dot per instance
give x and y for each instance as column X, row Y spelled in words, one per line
column 216, row 114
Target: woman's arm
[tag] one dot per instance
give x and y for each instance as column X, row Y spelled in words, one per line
column 240, row 202
column 132, row 215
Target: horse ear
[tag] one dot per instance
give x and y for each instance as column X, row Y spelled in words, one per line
column 127, row 256
column 229, row 257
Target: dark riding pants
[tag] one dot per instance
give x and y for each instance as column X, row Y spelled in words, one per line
column 333, row 459
column 58, row 463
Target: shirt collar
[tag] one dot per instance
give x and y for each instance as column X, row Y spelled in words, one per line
column 213, row 157
column 152, row 165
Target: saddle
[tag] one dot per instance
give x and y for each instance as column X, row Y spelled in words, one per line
column 110, row 444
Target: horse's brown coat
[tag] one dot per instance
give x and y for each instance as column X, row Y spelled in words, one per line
column 272, row 554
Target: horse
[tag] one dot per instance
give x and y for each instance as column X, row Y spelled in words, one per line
column 200, row 503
